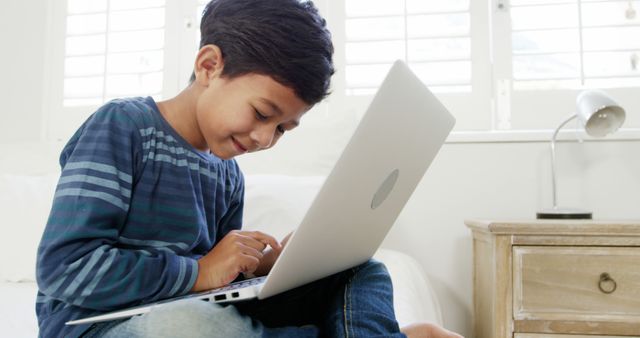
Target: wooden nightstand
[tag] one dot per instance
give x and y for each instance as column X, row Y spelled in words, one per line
column 556, row 279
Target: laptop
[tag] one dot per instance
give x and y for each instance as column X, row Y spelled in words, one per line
column 395, row 142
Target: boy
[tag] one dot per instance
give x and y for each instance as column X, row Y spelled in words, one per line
column 149, row 203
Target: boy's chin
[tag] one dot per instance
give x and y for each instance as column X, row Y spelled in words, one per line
column 223, row 155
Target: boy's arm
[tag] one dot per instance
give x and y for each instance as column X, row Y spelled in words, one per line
column 79, row 261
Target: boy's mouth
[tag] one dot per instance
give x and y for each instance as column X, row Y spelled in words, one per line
column 239, row 146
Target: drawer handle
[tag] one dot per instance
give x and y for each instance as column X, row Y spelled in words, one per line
column 604, row 280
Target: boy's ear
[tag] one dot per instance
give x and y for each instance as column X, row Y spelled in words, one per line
column 208, row 65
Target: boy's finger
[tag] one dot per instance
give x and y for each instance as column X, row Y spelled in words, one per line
column 265, row 239
column 253, row 252
column 285, row 240
column 248, row 238
column 249, row 264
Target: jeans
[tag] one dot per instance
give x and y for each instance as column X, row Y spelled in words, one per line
column 357, row 302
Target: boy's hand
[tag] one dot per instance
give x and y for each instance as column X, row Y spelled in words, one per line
column 238, row 252
column 270, row 256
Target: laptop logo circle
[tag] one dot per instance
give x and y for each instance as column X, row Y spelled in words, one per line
column 385, row 189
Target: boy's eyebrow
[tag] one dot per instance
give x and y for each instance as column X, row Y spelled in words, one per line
column 272, row 105
column 277, row 109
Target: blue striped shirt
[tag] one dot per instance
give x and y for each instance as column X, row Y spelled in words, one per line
column 135, row 207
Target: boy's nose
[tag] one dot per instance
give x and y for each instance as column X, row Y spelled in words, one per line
column 263, row 136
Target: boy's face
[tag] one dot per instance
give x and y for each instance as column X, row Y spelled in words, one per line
column 246, row 113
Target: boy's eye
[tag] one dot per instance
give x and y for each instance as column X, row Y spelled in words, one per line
column 260, row 116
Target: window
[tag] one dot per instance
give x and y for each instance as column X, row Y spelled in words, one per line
column 113, row 48
column 433, row 37
column 498, row 65
column 105, row 49
column 442, row 41
column 546, row 52
column 569, row 44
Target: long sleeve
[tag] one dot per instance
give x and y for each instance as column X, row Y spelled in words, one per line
column 135, row 208
column 83, row 259
column 232, row 220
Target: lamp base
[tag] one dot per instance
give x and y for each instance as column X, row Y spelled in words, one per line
column 564, row 213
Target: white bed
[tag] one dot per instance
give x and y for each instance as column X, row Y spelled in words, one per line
column 274, row 204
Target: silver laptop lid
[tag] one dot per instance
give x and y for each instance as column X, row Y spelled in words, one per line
column 391, row 149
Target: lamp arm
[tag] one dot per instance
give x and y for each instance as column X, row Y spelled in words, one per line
column 553, row 159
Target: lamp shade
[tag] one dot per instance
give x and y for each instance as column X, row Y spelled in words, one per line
column 599, row 113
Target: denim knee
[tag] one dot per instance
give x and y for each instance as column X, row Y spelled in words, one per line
column 367, row 305
column 196, row 318
column 372, row 266
column 374, row 274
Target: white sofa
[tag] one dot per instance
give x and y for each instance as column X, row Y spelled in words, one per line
column 274, row 204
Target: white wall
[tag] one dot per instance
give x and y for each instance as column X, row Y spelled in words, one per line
column 22, row 34
column 467, row 180
column 479, row 180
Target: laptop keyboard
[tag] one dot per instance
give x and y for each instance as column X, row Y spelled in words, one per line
column 242, row 284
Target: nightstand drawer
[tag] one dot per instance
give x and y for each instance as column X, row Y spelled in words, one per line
column 576, row 283
column 543, row 335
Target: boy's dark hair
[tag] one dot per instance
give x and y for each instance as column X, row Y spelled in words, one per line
column 284, row 39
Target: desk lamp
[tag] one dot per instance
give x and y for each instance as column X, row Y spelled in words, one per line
column 600, row 115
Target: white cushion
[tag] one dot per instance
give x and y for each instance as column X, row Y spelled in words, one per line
column 18, row 309
column 273, row 204
column 276, row 204
column 414, row 299
column 25, row 203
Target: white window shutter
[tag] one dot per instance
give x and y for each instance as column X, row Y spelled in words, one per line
column 114, row 48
